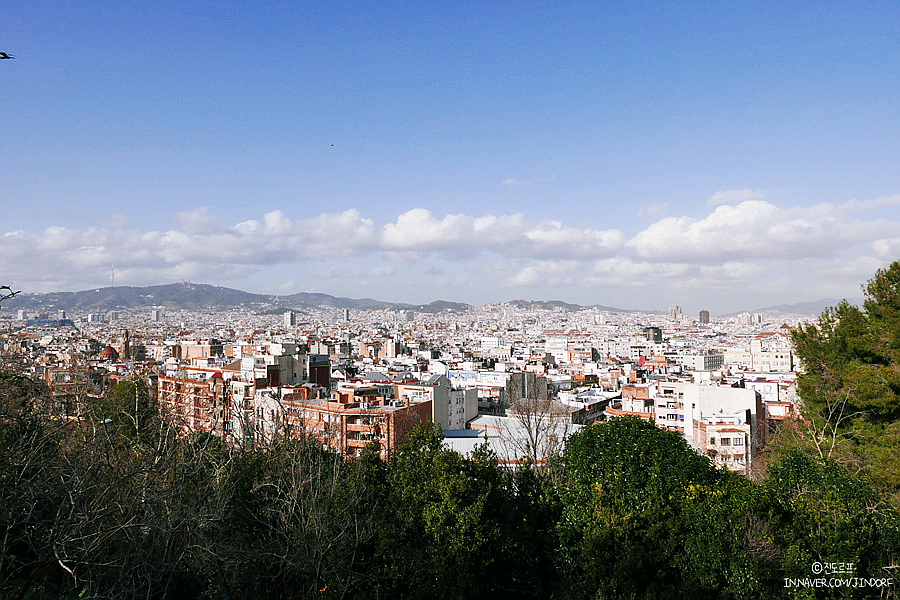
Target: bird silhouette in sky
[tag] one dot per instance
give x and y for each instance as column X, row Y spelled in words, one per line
column 5, row 55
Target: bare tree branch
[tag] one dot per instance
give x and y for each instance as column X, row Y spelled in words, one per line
column 6, row 293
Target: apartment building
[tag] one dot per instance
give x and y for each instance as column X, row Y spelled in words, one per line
column 727, row 440
column 195, row 403
column 347, row 420
column 765, row 353
column 636, row 401
column 694, row 409
column 709, row 415
column 451, row 408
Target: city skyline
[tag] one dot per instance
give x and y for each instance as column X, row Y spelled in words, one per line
column 630, row 156
column 201, row 297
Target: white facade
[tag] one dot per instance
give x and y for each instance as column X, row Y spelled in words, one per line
column 450, row 408
column 558, row 348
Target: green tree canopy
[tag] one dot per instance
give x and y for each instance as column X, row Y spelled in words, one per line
column 850, row 384
column 646, row 516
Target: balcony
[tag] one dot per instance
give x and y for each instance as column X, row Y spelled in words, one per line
column 359, row 427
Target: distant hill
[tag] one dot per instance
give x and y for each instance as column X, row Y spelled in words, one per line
column 309, row 299
column 193, row 296
column 551, row 304
column 814, row 308
column 439, row 306
column 625, row 310
column 545, row 305
column 173, row 296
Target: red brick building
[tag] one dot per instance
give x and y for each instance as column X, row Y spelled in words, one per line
column 195, row 404
column 347, row 421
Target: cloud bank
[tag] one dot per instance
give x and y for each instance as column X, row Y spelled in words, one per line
column 744, row 245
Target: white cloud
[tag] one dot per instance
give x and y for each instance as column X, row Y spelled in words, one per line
column 287, row 287
column 342, row 234
column 873, row 204
column 755, row 229
column 624, row 269
column 734, row 251
column 199, row 221
column 732, row 271
column 529, row 276
column 354, row 272
column 517, row 183
column 448, row 282
column 544, row 273
column 418, row 231
column 888, row 248
column 552, row 239
column 115, row 221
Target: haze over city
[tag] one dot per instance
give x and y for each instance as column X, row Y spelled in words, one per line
column 626, row 155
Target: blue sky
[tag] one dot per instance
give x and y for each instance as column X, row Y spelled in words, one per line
column 716, row 155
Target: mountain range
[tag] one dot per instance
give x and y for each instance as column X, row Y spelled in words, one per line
column 194, row 296
column 810, row 308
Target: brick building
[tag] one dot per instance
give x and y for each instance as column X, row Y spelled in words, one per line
column 195, row 404
column 347, row 420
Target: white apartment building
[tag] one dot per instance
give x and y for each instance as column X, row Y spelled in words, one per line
column 695, row 409
column 776, row 357
column 558, row 348
column 701, row 361
column 451, row 408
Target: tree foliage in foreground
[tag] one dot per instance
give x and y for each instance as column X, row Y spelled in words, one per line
column 92, row 511
column 644, row 516
column 850, row 387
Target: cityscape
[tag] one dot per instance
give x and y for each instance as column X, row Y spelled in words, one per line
column 250, row 373
column 440, row 301
column 508, row 392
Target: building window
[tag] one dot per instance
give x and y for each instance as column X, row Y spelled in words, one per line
column 725, row 441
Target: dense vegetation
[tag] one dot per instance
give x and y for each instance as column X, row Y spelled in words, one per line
column 117, row 506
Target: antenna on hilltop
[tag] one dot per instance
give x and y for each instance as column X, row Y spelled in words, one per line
column 112, row 275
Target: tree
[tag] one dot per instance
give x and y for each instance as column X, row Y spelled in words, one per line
column 850, row 385
column 646, row 516
column 453, row 527
column 539, row 426
column 30, row 488
column 6, row 293
column 88, row 510
column 292, row 520
column 822, row 513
